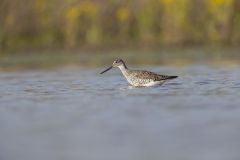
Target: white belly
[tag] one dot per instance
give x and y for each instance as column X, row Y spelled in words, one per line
column 154, row 83
column 144, row 83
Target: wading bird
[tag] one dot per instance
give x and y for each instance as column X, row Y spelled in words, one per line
column 139, row 78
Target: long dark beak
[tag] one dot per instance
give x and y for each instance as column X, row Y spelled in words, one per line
column 106, row 70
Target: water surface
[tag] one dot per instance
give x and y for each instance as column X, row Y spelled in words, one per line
column 81, row 115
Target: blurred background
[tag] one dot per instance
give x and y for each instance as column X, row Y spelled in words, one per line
column 54, row 104
column 44, row 33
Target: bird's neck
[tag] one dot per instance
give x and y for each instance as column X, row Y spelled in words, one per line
column 123, row 69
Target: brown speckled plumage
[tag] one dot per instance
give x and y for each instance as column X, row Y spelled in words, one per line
column 150, row 75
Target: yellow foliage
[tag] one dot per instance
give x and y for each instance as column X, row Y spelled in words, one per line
column 179, row 4
column 220, row 11
column 220, row 8
column 167, row 2
column 90, row 22
column 175, row 19
column 89, row 8
column 123, row 14
column 175, row 9
column 217, row 3
column 41, row 4
column 9, row 21
column 43, row 9
column 72, row 12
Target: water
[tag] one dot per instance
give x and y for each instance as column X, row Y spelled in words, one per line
column 81, row 115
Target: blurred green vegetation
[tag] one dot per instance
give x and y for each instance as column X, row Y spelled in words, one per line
column 70, row 24
column 75, row 59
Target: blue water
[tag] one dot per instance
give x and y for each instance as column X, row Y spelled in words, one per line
column 81, row 115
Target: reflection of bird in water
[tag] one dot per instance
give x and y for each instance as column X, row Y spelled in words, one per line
column 139, row 78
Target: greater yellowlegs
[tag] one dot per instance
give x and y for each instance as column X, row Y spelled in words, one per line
column 139, row 78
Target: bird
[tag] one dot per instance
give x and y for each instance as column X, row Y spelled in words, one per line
column 139, row 78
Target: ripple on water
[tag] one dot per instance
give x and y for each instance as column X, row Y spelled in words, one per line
column 236, row 85
column 81, row 115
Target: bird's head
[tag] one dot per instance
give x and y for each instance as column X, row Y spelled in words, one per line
column 117, row 63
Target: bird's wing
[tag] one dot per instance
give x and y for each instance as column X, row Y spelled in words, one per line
column 151, row 75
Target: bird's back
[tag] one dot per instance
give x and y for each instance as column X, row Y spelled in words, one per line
column 149, row 75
